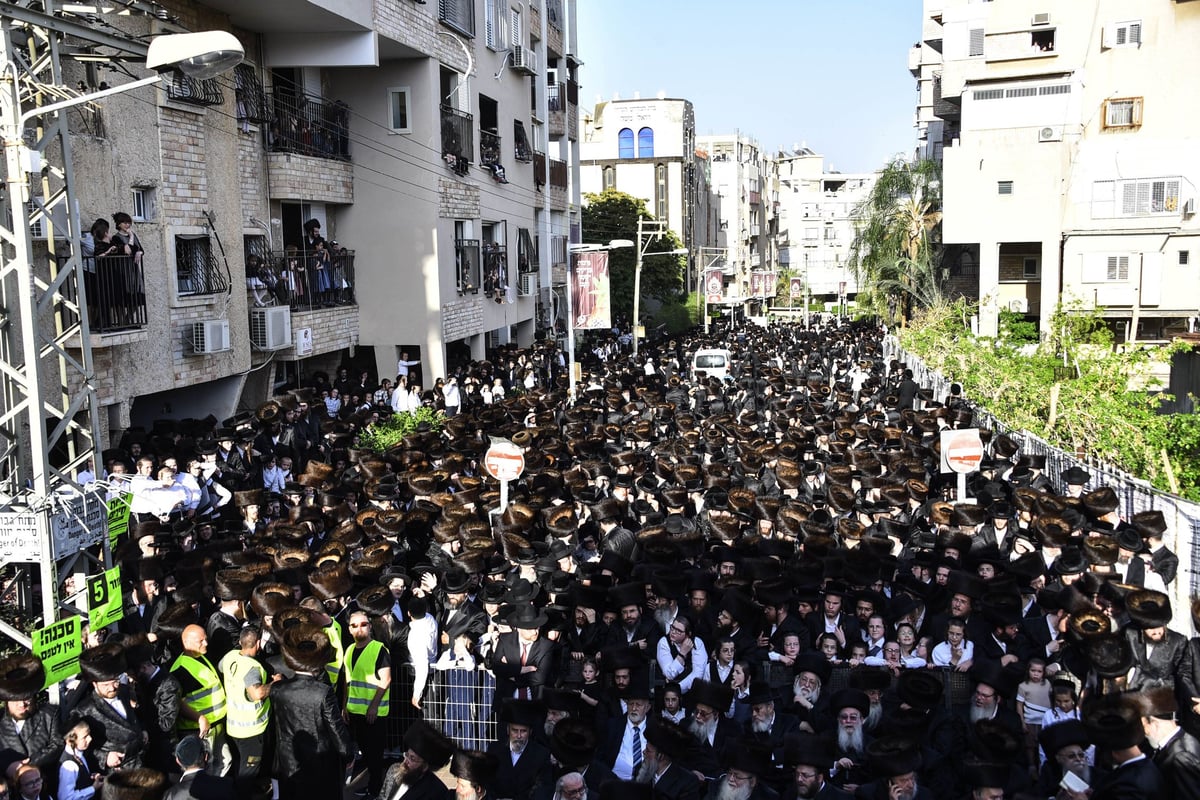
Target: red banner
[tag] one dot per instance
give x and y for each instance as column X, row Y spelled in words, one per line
column 590, row 295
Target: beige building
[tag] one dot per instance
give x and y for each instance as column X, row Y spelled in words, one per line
column 436, row 143
column 1069, row 144
column 816, row 222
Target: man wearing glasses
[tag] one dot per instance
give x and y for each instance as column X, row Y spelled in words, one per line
column 810, row 760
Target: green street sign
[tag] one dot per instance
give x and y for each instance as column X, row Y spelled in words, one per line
column 104, row 599
column 118, row 517
column 58, row 645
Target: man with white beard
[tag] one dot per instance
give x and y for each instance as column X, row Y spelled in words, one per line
column 1177, row 752
column 874, row 681
column 623, row 750
column 850, row 754
column 993, row 687
column 520, row 759
column 473, row 771
column 894, row 761
column 767, row 726
column 666, row 749
column 571, row 787
column 1066, row 744
column 812, row 672
column 745, row 766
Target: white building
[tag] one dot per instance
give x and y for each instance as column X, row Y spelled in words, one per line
column 816, row 224
column 1071, row 166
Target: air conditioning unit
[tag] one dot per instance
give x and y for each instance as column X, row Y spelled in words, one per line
column 210, row 336
column 1050, row 133
column 1041, row 19
column 527, row 284
column 271, row 328
column 524, row 60
column 1020, row 305
column 1189, row 207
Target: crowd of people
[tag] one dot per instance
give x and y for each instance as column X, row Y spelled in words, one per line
column 738, row 589
column 316, row 273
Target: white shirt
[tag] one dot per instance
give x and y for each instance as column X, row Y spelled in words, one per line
column 422, row 650
column 623, row 767
column 671, row 668
column 942, row 653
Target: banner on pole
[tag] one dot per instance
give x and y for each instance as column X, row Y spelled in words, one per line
column 756, row 284
column 714, row 285
column 118, row 517
column 797, row 287
column 58, row 645
column 104, row 599
column 590, row 293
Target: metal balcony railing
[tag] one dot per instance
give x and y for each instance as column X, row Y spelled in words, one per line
column 309, row 125
column 558, row 173
column 116, row 293
column 489, row 149
column 458, row 139
column 304, row 281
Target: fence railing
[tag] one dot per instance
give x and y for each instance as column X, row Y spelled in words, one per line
column 302, row 281
column 1135, row 494
column 116, row 293
column 309, row 125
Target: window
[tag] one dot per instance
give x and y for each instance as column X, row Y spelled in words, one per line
column 527, row 255
column 1030, row 268
column 495, row 260
column 660, row 198
column 1137, row 197
column 466, row 259
column 1117, row 268
column 514, row 28
column 1184, row 257
column 142, row 207
column 610, row 178
column 1055, row 88
column 521, row 149
column 1004, row 187
column 975, row 45
column 399, row 111
column 1105, row 268
column 811, row 234
column 625, row 143
column 558, row 249
column 196, row 268
column 1021, row 91
column 645, row 143
column 1123, row 34
column 489, row 24
column 830, row 234
column 1042, row 40
column 1124, row 112
column 459, row 15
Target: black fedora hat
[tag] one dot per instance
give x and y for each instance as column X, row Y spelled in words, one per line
column 526, row 617
column 474, row 766
column 919, row 689
column 429, row 743
column 573, row 742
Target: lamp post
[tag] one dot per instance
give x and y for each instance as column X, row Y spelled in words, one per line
column 614, row 244
column 648, row 231
column 29, row 353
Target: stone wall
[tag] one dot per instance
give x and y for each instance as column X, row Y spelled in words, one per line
column 333, row 330
column 416, row 26
column 462, row 318
column 313, row 180
column 457, row 200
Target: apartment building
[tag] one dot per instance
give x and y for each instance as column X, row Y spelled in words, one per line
column 816, row 222
column 747, row 191
column 1068, row 138
column 436, row 144
column 647, row 148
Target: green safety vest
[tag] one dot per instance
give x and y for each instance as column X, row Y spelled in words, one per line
column 209, row 699
column 334, row 668
column 360, row 690
column 245, row 717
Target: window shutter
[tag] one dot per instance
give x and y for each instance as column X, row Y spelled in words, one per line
column 514, row 28
column 976, row 42
column 1135, row 33
column 489, row 22
column 1129, row 199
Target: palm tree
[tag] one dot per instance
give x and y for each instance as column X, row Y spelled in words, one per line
column 896, row 249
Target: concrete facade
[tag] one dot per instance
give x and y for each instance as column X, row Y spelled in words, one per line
column 213, row 176
column 1070, row 158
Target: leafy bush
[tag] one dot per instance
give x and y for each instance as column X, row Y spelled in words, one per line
column 1016, row 330
column 387, row 433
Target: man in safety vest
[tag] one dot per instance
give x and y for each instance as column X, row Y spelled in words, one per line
column 247, row 692
column 202, row 705
column 367, row 673
column 333, row 629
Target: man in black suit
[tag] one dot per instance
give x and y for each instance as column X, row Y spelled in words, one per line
column 522, row 660
column 1152, row 525
column 1115, row 723
column 833, row 619
column 810, row 761
column 573, row 749
column 196, row 783
column 1177, row 752
column 633, row 628
column 767, row 726
column 117, row 735
column 520, row 758
column 623, row 749
column 1159, row 653
column 21, row 678
column 664, row 762
column 708, row 724
column 426, row 750
column 895, row 762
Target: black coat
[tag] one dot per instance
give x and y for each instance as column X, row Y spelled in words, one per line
column 1179, row 763
column 112, row 733
column 517, row 781
column 200, row 786
column 677, row 783
column 38, row 739
column 1140, row 780
column 158, row 711
column 313, row 743
column 506, row 665
column 427, row 787
column 1163, row 666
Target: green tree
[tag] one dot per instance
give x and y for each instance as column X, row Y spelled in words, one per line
column 896, row 250
column 614, row 215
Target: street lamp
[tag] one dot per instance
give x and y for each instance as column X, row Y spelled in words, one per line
column 198, row 55
column 645, row 237
column 613, row 244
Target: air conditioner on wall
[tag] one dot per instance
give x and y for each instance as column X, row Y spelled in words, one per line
column 210, row 336
column 524, row 60
column 1041, row 19
column 527, row 284
column 1050, row 133
column 1189, row 207
column 271, row 328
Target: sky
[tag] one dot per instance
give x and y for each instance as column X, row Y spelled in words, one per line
column 829, row 74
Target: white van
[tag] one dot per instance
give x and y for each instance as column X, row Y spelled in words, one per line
column 714, row 362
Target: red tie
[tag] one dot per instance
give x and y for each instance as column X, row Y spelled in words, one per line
column 523, row 694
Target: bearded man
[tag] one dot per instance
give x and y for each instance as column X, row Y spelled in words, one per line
column 426, row 750
column 851, row 707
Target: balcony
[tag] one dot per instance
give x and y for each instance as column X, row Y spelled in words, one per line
column 489, row 150
column 301, row 281
column 458, row 139
column 539, row 169
column 562, row 101
column 559, row 179
column 914, row 60
column 308, row 125
column 554, row 32
column 116, row 294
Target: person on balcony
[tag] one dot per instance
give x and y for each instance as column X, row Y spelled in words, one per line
column 321, row 273
column 133, row 291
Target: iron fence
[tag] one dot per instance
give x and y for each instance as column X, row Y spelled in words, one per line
column 308, row 125
column 301, row 280
column 116, row 293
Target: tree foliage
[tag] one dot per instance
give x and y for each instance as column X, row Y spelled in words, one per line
column 390, row 431
column 896, row 251
column 614, row 215
column 1103, row 410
